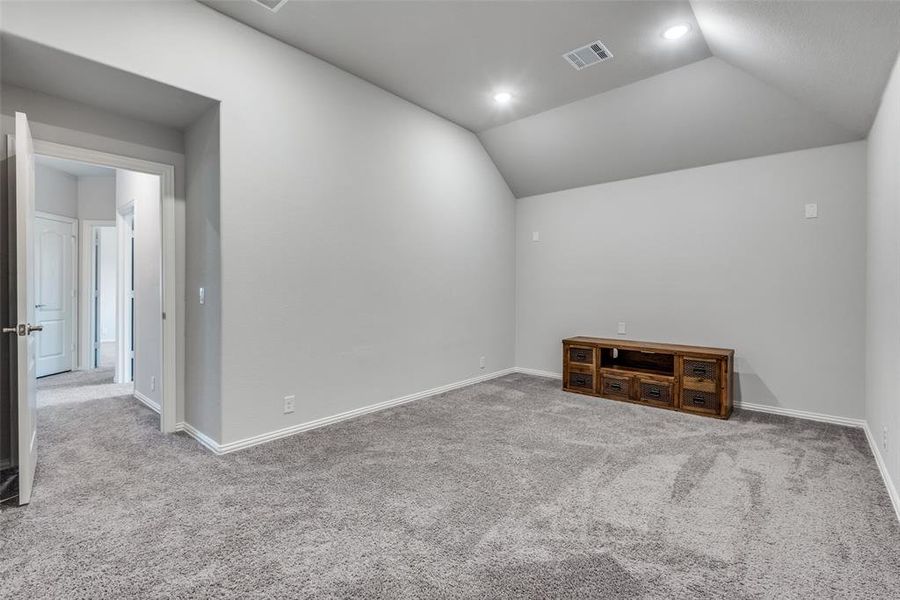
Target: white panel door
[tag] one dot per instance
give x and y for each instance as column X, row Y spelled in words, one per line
column 21, row 177
column 55, row 289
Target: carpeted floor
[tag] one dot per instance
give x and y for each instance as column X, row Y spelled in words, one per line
column 80, row 386
column 507, row 489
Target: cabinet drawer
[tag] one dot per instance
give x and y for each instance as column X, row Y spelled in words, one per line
column 615, row 386
column 581, row 355
column 700, row 369
column 580, row 380
column 699, row 401
column 656, row 391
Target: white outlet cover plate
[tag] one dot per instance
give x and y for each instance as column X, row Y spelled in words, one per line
column 812, row 211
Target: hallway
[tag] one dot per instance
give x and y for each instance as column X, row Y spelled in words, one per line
column 80, row 386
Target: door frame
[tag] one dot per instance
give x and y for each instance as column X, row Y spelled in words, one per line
column 73, row 300
column 86, row 286
column 125, row 345
column 171, row 312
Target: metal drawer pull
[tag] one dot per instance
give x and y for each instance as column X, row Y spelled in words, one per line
column 580, row 356
column 654, row 392
column 616, row 386
column 698, row 400
column 699, row 370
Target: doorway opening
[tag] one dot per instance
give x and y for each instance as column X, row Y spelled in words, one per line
column 102, row 297
column 98, row 282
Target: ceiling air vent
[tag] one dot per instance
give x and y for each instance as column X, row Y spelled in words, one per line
column 272, row 5
column 583, row 57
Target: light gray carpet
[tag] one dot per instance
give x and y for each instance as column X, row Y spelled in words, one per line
column 80, row 386
column 507, row 489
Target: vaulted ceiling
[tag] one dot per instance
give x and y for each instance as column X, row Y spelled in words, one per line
column 751, row 78
column 450, row 56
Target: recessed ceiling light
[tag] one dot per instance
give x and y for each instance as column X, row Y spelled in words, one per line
column 272, row 5
column 676, row 31
column 502, row 97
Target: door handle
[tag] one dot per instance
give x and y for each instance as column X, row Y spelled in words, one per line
column 20, row 329
column 40, row 305
column 31, row 327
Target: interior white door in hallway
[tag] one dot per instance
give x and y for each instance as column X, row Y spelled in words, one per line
column 21, row 178
column 55, row 293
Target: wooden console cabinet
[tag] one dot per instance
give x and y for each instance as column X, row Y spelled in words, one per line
column 692, row 379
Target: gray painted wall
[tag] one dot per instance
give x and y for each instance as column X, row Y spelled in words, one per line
column 55, row 191
column 883, row 278
column 97, row 197
column 704, row 113
column 77, row 197
column 143, row 191
column 719, row 255
column 356, row 228
column 95, row 127
column 203, row 340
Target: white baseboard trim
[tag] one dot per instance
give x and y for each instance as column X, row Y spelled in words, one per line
column 801, row 414
column 350, row 414
column 209, row 443
column 144, row 399
column 775, row 410
column 879, row 460
column 538, row 373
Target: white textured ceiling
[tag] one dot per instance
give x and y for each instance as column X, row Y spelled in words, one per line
column 26, row 64
column 450, row 56
column 786, row 75
column 75, row 168
column 833, row 56
column 706, row 112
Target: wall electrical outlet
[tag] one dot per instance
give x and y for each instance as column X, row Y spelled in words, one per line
column 811, row 211
column 535, row 236
column 289, row 404
column 202, row 295
column 482, row 362
column 622, row 328
column 884, row 437
column 153, row 383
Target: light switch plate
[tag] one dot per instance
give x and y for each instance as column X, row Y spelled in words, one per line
column 535, row 236
column 812, row 211
column 622, row 328
column 289, row 404
column 202, row 295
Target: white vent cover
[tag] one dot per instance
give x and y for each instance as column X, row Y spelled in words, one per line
column 583, row 57
column 272, row 5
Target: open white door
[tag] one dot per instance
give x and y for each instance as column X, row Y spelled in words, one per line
column 22, row 155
